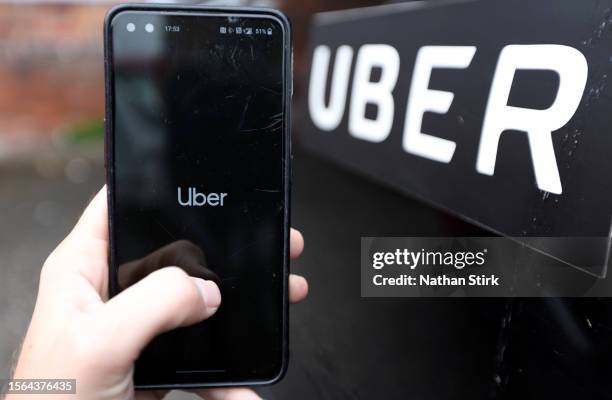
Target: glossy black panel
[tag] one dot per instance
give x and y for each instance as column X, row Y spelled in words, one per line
column 198, row 154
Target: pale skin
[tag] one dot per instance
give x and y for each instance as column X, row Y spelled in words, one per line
column 76, row 332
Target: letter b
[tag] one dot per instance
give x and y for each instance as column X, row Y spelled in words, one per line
column 199, row 199
column 377, row 93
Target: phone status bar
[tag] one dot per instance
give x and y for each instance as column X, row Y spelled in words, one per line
column 248, row 31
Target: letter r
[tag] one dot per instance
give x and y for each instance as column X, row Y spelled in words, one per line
column 572, row 68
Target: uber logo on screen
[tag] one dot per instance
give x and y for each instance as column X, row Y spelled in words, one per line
column 193, row 198
column 497, row 111
column 567, row 62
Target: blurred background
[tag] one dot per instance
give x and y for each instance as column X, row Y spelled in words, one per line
column 342, row 346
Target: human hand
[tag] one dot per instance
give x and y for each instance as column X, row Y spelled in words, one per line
column 75, row 328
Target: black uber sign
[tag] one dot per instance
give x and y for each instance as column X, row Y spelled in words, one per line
column 499, row 111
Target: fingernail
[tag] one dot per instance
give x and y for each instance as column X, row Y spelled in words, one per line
column 210, row 293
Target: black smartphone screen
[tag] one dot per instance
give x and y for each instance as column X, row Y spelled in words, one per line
column 198, row 176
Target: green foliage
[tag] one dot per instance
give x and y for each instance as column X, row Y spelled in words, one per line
column 87, row 131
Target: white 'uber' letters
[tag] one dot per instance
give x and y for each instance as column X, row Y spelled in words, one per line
column 569, row 63
column 197, row 199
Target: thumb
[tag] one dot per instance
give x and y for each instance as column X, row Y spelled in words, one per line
column 166, row 299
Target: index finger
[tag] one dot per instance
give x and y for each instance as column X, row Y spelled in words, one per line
column 296, row 243
column 93, row 223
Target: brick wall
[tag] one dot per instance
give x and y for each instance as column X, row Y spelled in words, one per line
column 51, row 70
column 51, row 62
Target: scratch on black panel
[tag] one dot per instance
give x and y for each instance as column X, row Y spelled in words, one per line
column 164, row 228
column 267, row 190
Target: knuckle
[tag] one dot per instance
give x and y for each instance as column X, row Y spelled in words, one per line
column 171, row 274
column 177, row 281
column 51, row 265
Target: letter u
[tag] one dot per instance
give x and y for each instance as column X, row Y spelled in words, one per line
column 188, row 202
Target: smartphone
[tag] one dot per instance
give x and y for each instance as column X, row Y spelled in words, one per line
column 198, row 170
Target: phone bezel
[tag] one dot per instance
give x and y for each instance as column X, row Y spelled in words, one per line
column 287, row 153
